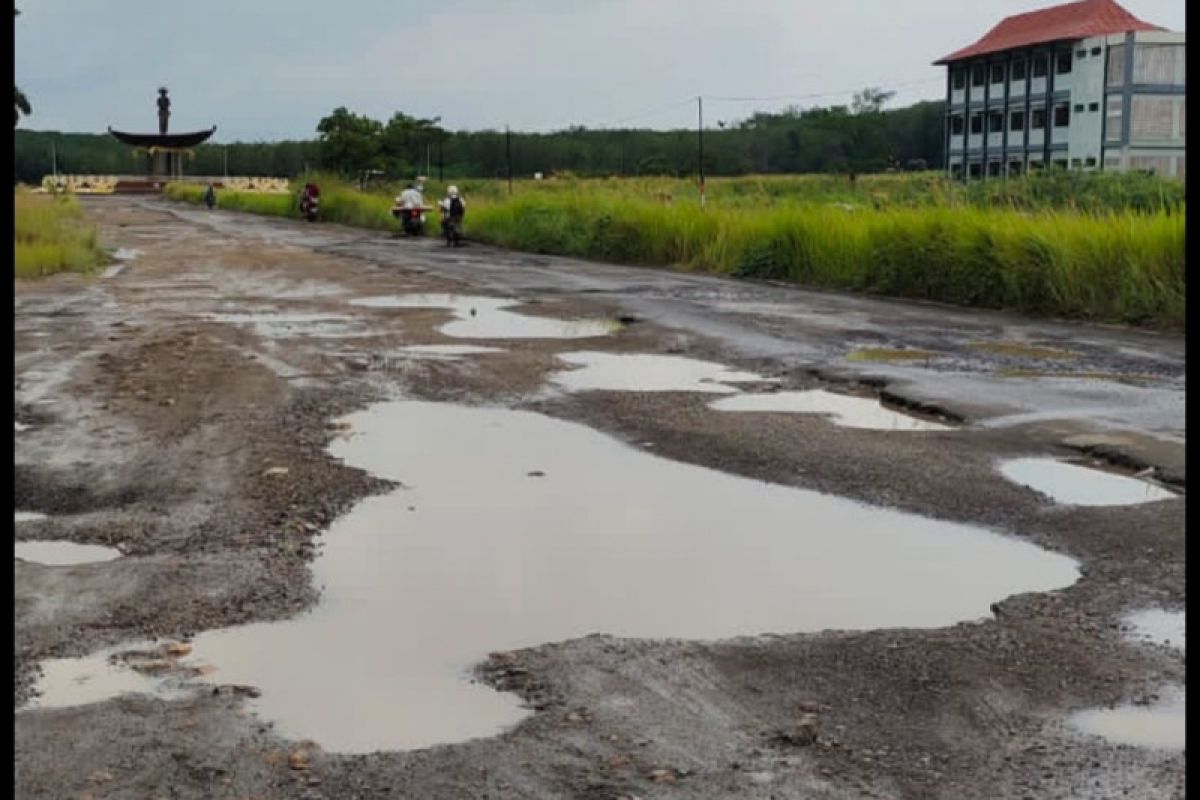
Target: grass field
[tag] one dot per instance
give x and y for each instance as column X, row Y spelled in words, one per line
column 1084, row 245
column 50, row 234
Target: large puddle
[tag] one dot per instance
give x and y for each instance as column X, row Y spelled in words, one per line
column 844, row 410
column 1071, row 484
column 513, row 529
column 61, row 554
column 646, row 372
column 486, row 318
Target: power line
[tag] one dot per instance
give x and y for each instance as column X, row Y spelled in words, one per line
column 814, row 95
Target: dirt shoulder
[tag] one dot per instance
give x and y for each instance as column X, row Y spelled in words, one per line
column 180, row 411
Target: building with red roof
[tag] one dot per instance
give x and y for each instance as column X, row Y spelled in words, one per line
column 1083, row 85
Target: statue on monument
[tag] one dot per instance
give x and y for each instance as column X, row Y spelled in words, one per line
column 164, row 109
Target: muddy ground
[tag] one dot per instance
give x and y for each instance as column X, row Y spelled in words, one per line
column 162, row 398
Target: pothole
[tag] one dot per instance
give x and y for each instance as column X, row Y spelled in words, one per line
column 514, row 529
column 486, row 318
column 1073, row 484
column 139, row 668
column 61, row 554
column 841, row 409
column 647, row 372
column 1158, row 723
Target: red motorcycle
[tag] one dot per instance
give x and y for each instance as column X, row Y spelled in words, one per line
column 310, row 203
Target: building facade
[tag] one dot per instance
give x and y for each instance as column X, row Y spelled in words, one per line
column 1084, row 85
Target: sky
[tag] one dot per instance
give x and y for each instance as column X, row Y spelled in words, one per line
column 263, row 70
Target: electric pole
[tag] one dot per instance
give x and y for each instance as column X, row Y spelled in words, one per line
column 508, row 155
column 700, row 130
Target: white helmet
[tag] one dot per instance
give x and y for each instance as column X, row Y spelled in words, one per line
column 452, row 191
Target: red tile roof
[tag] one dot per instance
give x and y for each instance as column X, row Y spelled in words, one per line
column 1078, row 20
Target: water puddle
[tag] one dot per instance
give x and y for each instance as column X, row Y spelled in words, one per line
column 1072, row 484
column 513, row 529
column 21, row 426
column 29, row 516
column 1159, row 724
column 1159, row 626
column 445, row 351
column 486, row 318
column 105, row 675
column 645, row 372
column 277, row 325
column 845, row 410
column 62, row 554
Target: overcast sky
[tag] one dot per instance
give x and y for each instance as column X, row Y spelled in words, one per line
column 269, row 69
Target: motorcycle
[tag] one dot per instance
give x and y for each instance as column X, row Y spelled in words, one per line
column 451, row 227
column 412, row 219
column 309, row 206
column 210, row 198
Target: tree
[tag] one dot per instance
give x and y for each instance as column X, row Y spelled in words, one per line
column 403, row 141
column 21, row 102
column 870, row 101
column 349, row 142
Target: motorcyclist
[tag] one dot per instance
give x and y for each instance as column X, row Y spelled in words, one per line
column 210, row 196
column 308, row 196
column 453, row 208
column 411, row 197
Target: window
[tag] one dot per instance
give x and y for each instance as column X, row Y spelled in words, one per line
column 993, row 169
column 958, row 78
column 1060, row 163
column 1079, row 108
column 977, row 74
column 1112, row 119
column 1018, row 70
column 977, row 123
column 1037, row 120
column 1039, row 66
column 1062, row 115
column 1090, row 161
column 1036, row 165
column 975, row 170
column 1016, row 122
column 995, row 122
column 1096, row 51
column 1063, row 65
column 956, row 125
column 1116, row 65
column 1081, row 52
column 1014, row 168
column 1076, row 163
column 1093, row 106
column 1151, row 117
column 1155, row 63
column 956, row 170
column 997, row 73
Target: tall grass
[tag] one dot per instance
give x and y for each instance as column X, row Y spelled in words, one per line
column 50, row 234
column 1110, row 252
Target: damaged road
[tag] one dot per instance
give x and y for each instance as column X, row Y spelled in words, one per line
column 189, row 410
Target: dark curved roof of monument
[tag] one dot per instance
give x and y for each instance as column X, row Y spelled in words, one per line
column 166, row 140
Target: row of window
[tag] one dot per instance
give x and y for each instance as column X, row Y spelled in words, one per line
column 1016, row 119
column 994, row 168
column 1038, row 66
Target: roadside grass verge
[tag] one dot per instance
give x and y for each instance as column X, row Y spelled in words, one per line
column 1026, row 249
column 51, row 234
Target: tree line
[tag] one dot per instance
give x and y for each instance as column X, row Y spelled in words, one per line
column 856, row 138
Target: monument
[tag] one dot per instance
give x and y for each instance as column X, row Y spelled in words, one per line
column 164, row 151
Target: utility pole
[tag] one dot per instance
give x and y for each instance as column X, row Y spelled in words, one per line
column 700, row 129
column 427, row 158
column 53, row 160
column 441, row 162
column 508, row 155
column 226, row 148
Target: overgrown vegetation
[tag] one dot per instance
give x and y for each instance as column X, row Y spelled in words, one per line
column 1087, row 245
column 51, row 235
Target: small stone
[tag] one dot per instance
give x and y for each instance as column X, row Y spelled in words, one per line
column 300, row 760
column 169, row 401
column 276, row 471
column 178, row 649
column 537, row 473
column 616, row 762
column 662, row 776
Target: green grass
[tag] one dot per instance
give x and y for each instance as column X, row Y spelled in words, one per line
column 50, row 234
column 1085, row 245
